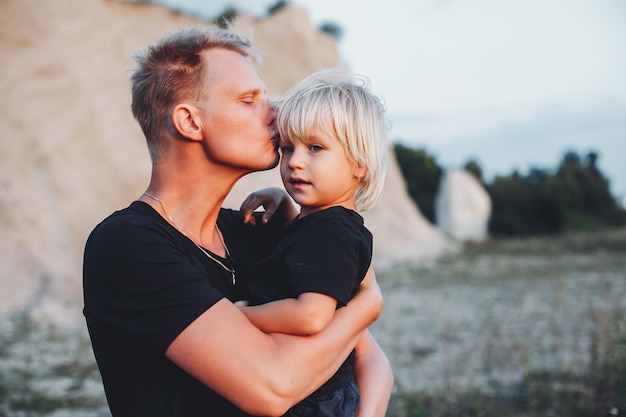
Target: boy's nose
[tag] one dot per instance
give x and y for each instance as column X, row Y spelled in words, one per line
column 296, row 159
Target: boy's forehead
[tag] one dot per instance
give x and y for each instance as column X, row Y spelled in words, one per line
column 317, row 132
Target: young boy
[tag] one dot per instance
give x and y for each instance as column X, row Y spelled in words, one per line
column 332, row 132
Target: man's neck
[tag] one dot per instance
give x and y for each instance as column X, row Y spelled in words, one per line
column 191, row 203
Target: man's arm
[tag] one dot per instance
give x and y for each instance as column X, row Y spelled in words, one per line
column 308, row 314
column 266, row 374
column 374, row 377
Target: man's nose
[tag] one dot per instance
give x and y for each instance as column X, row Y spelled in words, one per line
column 271, row 112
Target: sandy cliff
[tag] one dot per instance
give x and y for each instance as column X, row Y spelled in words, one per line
column 70, row 152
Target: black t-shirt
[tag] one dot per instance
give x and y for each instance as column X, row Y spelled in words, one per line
column 144, row 282
column 326, row 252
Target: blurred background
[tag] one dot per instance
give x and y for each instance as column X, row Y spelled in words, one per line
column 500, row 235
column 513, row 84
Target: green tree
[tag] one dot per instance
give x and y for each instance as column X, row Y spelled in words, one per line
column 422, row 175
column 228, row 15
column 513, row 206
column 332, row 28
column 280, row 4
column 474, row 168
column 584, row 194
column 576, row 197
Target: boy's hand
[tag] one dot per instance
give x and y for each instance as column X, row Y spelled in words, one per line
column 272, row 199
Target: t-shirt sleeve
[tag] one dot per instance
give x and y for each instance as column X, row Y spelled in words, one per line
column 249, row 244
column 139, row 281
column 326, row 259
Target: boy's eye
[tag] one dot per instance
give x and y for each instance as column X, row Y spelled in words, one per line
column 315, row 148
column 287, row 149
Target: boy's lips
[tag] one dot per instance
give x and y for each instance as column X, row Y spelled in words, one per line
column 298, row 181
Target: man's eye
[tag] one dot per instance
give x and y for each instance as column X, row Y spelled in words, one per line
column 286, row 149
column 248, row 100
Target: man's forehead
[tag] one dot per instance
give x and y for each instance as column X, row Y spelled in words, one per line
column 231, row 70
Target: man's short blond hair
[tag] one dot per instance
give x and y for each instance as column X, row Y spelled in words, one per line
column 172, row 71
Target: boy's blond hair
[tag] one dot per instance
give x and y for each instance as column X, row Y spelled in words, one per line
column 341, row 105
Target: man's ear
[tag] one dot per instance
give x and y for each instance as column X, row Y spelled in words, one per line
column 187, row 122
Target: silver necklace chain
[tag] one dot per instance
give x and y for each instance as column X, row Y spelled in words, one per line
column 213, row 258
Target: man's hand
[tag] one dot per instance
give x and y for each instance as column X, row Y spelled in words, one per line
column 370, row 292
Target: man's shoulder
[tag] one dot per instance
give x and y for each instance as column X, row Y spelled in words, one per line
column 124, row 222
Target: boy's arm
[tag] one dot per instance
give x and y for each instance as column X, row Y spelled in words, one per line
column 308, row 314
column 374, row 377
column 274, row 200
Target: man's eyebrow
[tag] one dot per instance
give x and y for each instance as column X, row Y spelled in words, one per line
column 253, row 92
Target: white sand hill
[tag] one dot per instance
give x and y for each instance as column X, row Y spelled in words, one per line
column 71, row 153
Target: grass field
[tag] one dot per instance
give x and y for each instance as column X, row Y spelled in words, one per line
column 532, row 327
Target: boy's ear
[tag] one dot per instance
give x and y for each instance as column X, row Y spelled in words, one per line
column 187, row 121
column 359, row 171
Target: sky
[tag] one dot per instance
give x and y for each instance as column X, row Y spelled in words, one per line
column 511, row 84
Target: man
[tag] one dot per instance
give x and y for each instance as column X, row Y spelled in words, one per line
column 158, row 278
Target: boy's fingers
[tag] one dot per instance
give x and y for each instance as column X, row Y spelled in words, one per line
column 248, row 217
